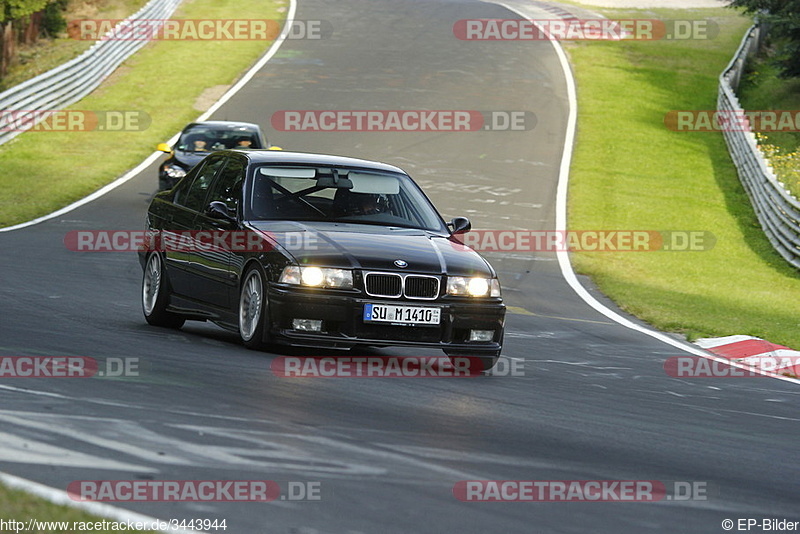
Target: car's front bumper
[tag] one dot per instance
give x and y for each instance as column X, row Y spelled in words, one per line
column 166, row 182
column 343, row 325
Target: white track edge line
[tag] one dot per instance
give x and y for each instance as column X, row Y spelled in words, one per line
column 60, row 497
column 561, row 225
column 155, row 155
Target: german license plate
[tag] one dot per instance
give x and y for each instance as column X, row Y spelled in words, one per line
column 402, row 315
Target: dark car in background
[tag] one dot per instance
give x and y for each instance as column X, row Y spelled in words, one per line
column 318, row 251
column 198, row 139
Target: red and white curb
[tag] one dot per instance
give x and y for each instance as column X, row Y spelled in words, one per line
column 756, row 353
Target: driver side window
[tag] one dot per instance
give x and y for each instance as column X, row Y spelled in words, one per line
column 196, row 194
column 228, row 187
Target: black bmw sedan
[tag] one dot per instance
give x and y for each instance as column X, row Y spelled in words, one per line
column 319, row 251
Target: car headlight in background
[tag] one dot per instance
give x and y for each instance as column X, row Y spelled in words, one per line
column 473, row 286
column 317, row 277
column 174, row 171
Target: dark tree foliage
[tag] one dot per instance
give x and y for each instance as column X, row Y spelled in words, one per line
column 54, row 21
column 16, row 9
column 783, row 17
column 23, row 21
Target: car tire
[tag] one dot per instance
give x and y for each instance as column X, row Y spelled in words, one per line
column 155, row 295
column 253, row 309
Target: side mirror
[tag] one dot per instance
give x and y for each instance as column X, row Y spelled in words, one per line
column 218, row 210
column 460, row 225
column 164, row 147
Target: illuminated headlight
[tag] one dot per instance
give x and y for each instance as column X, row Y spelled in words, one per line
column 473, row 287
column 317, row 277
column 174, row 171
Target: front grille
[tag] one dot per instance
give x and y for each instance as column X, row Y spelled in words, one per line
column 421, row 287
column 384, row 285
column 393, row 285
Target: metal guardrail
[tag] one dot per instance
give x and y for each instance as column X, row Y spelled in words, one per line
column 68, row 83
column 777, row 210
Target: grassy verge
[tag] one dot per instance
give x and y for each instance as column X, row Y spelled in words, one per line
column 47, row 54
column 763, row 89
column 43, row 171
column 19, row 506
column 631, row 172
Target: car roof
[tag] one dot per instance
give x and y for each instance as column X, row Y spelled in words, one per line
column 223, row 124
column 307, row 158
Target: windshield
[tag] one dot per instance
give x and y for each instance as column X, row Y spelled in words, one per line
column 303, row 193
column 206, row 138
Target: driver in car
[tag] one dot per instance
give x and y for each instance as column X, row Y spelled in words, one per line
column 365, row 204
column 199, row 145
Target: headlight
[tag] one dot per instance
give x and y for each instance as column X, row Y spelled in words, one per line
column 312, row 276
column 317, row 277
column 473, row 287
column 174, row 171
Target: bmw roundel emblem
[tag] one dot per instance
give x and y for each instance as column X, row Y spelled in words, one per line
column 400, row 263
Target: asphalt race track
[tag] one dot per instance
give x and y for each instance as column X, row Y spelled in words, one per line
column 594, row 403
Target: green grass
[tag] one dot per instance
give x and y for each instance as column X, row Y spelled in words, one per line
column 20, row 506
column 630, row 172
column 763, row 89
column 35, row 59
column 43, row 171
column 48, row 53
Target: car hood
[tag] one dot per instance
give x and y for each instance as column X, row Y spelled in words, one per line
column 190, row 159
column 367, row 247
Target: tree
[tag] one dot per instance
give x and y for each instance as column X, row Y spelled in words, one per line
column 783, row 18
column 11, row 10
column 13, row 15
